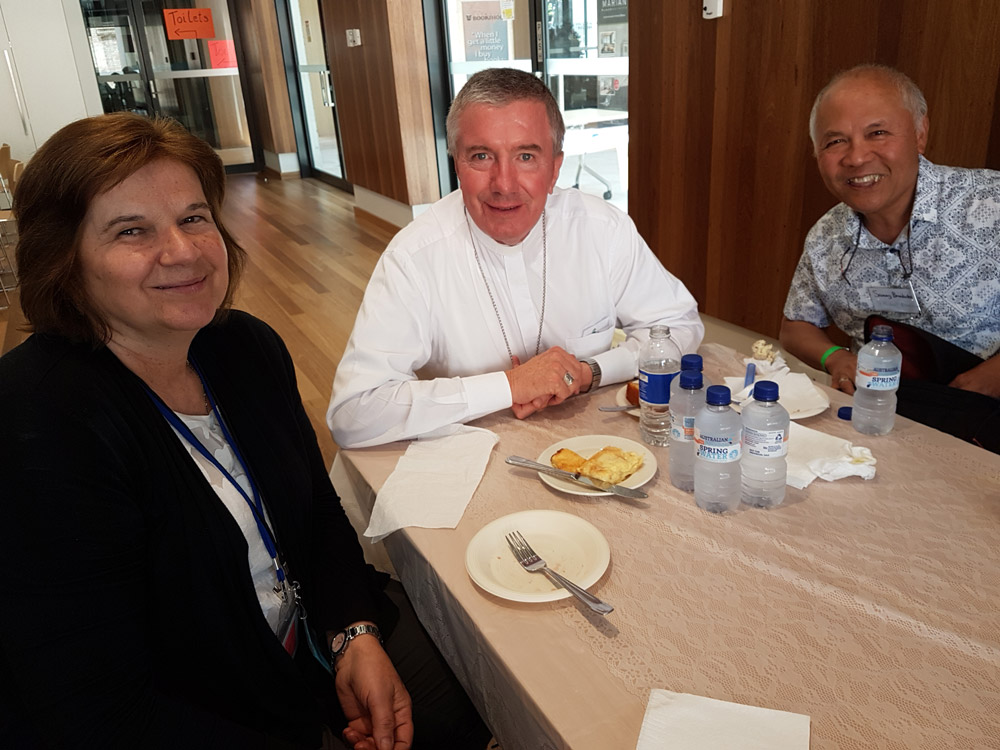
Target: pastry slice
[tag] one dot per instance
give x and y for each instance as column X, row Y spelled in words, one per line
column 611, row 465
column 567, row 460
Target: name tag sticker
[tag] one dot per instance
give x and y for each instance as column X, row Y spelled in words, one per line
column 893, row 299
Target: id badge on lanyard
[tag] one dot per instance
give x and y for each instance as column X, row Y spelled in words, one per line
column 288, row 617
column 898, row 299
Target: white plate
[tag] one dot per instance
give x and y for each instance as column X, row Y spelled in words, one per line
column 793, row 411
column 803, row 413
column 567, row 543
column 621, row 399
column 588, row 445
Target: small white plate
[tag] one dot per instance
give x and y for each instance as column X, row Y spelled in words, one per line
column 588, row 445
column 567, row 543
column 802, row 404
column 621, row 399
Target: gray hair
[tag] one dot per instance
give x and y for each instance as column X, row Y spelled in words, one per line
column 910, row 94
column 498, row 87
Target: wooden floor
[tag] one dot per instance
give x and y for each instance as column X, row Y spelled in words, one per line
column 309, row 263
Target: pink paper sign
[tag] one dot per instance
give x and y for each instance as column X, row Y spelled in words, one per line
column 222, row 53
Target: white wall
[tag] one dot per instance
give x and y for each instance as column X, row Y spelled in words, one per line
column 48, row 45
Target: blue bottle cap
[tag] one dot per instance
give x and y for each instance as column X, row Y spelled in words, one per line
column 691, row 362
column 845, row 412
column 691, row 380
column 718, row 395
column 765, row 390
column 882, row 333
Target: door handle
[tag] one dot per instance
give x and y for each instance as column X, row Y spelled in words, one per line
column 328, row 90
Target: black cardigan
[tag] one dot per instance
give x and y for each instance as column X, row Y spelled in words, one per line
column 130, row 617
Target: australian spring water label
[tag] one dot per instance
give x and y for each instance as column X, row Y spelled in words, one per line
column 765, row 443
column 720, row 450
column 681, row 428
column 878, row 378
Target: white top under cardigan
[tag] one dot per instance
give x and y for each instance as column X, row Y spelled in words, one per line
column 208, row 431
column 426, row 310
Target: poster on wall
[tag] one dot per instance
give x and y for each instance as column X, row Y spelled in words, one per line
column 485, row 31
column 612, row 28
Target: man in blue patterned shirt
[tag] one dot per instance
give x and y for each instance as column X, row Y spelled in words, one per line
column 911, row 241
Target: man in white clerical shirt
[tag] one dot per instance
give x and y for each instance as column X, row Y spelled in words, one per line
column 506, row 293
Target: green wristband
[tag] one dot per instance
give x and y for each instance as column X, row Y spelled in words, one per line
column 827, row 353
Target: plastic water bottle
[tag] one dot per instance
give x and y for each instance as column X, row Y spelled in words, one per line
column 685, row 404
column 765, row 445
column 659, row 362
column 688, row 362
column 876, row 383
column 718, row 437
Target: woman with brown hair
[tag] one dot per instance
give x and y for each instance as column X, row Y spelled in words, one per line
column 184, row 573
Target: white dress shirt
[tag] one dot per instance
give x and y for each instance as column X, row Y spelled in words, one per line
column 427, row 349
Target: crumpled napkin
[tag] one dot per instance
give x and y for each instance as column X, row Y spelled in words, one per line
column 680, row 721
column 433, row 481
column 812, row 454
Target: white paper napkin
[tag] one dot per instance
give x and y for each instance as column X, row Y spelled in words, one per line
column 679, row 721
column 812, row 454
column 433, row 481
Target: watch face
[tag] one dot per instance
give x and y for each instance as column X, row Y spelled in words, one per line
column 338, row 642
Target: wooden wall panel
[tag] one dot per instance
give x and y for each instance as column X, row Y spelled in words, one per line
column 956, row 67
column 383, row 97
column 265, row 73
column 724, row 182
column 668, row 156
column 412, row 87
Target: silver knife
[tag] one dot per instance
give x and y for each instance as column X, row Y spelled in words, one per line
column 575, row 477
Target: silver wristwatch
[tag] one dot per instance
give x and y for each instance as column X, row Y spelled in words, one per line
column 595, row 370
column 341, row 639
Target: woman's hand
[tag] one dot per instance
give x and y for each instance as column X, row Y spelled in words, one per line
column 374, row 700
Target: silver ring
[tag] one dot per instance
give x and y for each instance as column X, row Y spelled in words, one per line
column 844, row 380
column 568, row 379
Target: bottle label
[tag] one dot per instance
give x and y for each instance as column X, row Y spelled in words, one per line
column 654, row 387
column 878, row 378
column 681, row 428
column 719, row 450
column 765, row 443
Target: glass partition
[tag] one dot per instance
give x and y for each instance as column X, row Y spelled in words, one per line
column 586, row 64
column 581, row 49
column 170, row 58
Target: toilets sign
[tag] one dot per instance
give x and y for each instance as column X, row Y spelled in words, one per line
column 189, row 23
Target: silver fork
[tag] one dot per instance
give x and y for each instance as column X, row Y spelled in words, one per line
column 531, row 562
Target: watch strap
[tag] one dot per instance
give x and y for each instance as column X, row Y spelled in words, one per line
column 595, row 371
column 349, row 634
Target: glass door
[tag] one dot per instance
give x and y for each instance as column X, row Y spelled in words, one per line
column 488, row 34
column 586, row 65
column 581, row 48
column 318, row 103
column 117, row 59
column 169, row 58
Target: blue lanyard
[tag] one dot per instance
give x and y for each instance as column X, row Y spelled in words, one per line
column 256, row 506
